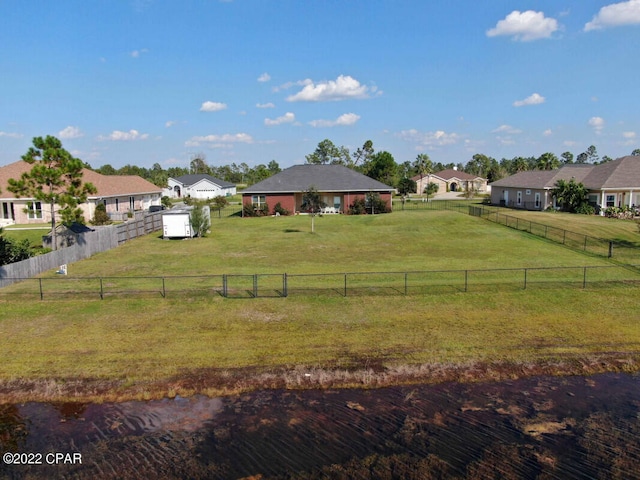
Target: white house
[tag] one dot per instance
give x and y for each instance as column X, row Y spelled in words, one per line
column 200, row 186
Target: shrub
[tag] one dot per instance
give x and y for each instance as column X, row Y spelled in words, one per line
column 586, row 209
column 100, row 217
column 13, row 250
column 199, row 221
column 624, row 213
column 280, row 210
column 358, row 207
column 252, row 211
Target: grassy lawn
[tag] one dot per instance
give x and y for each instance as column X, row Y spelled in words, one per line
column 592, row 225
column 146, row 345
column 33, row 233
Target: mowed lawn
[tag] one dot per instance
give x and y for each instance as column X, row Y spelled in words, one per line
column 402, row 241
column 136, row 339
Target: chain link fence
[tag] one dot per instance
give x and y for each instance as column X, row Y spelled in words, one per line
column 327, row 284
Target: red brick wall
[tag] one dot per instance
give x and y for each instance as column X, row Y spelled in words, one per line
column 287, row 200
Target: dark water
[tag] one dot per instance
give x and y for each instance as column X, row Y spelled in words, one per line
column 545, row 428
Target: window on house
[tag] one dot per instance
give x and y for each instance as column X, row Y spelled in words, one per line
column 34, row 210
column 519, row 198
column 132, row 203
column 611, row 200
column 537, row 199
column 528, row 192
column 258, row 200
column 117, row 205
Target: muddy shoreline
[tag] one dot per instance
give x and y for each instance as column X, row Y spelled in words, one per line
column 365, row 374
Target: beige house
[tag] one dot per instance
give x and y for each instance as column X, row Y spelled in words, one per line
column 611, row 184
column 451, row 180
column 120, row 194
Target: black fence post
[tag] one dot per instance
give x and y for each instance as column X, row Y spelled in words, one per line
column 284, row 285
column 584, row 278
column 525, row 279
column 255, row 285
column 610, row 249
column 466, row 280
column 41, row 293
column 164, row 292
column 101, row 290
column 405, row 282
column 345, row 284
column 224, row 285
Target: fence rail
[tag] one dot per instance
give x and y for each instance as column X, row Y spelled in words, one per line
column 619, row 251
column 90, row 243
column 333, row 284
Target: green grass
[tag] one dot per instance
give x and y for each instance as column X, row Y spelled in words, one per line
column 33, row 233
column 132, row 341
column 613, row 229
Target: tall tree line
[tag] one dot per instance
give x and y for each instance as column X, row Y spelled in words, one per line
column 380, row 165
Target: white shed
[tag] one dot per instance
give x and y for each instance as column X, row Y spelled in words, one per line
column 177, row 224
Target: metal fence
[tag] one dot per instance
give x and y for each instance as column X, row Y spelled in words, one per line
column 90, row 243
column 328, row 284
column 621, row 252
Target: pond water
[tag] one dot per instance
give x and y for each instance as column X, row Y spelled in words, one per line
column 543, row 427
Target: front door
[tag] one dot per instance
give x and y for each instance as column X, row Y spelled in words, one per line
column 506, row 198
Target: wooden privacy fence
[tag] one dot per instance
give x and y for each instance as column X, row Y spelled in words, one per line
column 331, row 284
column 90, row 243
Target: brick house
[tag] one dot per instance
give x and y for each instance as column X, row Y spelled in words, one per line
column 337, row 185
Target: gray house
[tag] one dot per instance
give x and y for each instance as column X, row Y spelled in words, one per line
column 615, row 183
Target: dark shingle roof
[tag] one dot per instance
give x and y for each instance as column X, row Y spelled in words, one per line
column 192, row 179
column 540, row 179
column 621, row 173
column 325, row 178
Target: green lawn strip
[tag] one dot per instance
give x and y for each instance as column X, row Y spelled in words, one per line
column 592, row 225
column 137, row 340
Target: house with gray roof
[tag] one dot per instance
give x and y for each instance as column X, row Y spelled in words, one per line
column 337, row 185
column 201, row 186
column 611, row 184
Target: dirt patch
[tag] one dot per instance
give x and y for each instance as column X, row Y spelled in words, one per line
column 366, row 373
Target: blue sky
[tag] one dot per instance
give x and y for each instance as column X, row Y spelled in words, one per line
column 157, row 81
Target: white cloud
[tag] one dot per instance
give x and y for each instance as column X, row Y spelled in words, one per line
column 616, row 14
column 533, row 99
column 212, row 106
column 218, row 141
column 506, row 129
column 525, row 26
column 70, row 132
column 629, row 138
column 169, row 123
column 597, row 123
column 430, row 139
column 265, row 105
column 265, row 77
column 343, row 88
column 10, row 135
column 547, row 133
column 137, row 53
column 118, row 135
column 344, row 119
column 286, row 118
